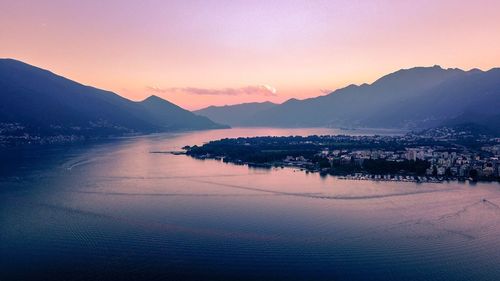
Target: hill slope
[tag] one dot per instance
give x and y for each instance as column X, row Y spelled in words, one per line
column 234, row 115
column 419, row 97
column 47, row 104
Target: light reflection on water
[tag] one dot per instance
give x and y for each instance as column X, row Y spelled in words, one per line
column 116, row 211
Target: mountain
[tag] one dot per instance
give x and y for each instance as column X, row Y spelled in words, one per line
column 234, row 115
column 168, row 116
column 43, row 103
column 471, row 97
column 419, row 97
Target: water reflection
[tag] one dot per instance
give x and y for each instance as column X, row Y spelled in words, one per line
column 116, row 211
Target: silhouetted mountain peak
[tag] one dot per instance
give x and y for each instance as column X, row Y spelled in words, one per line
column 16, row 65
column 291, row 101
column 418, row 97
column 40, row 101
column 156, row 102
column 13, row 62
column 420, row 72
column 155, row 99
column 351, row 86
column 474, row 71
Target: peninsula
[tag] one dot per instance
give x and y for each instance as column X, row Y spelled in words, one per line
column 445, row 153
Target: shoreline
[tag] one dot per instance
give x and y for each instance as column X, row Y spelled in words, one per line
column 353, row 176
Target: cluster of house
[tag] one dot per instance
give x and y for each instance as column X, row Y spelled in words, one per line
column 443, row 162
column 14, row 133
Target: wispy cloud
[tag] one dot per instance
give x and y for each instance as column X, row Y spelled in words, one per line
column 325, row 91
column 260, row 90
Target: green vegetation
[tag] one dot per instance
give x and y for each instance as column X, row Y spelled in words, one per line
column 439, row 154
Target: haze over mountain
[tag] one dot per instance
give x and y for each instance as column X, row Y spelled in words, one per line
column 234, row 115
column 419, row 97
column 44, row 103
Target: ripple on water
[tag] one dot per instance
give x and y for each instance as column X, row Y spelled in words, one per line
column 119, row 212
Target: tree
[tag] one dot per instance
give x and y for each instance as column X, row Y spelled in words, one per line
column 434, row 171
column 448, row 172
column 473, row 174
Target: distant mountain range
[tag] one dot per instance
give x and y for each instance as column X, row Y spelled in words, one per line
column 43, row 103
column 420, row 97
column 234, row 115
column 38, row 102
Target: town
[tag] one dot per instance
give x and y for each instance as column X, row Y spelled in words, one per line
column 428, row 156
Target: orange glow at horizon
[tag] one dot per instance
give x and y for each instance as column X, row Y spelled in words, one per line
column 300, row 48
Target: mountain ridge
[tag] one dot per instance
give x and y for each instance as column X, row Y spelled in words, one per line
column 47, row 104
column 234, row 115
column 412, row 98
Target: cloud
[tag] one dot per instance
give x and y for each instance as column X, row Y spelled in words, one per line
column 325, row 91
column 261, row 90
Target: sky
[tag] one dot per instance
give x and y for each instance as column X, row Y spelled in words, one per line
column 200, row 53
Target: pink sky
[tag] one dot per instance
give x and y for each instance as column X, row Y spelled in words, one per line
column 200, row 53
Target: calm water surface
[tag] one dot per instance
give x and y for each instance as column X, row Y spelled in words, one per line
column 116, row 211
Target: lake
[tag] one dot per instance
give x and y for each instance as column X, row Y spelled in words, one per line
column 115, row 211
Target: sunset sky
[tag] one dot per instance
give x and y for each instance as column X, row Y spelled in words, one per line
column 200, row 53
